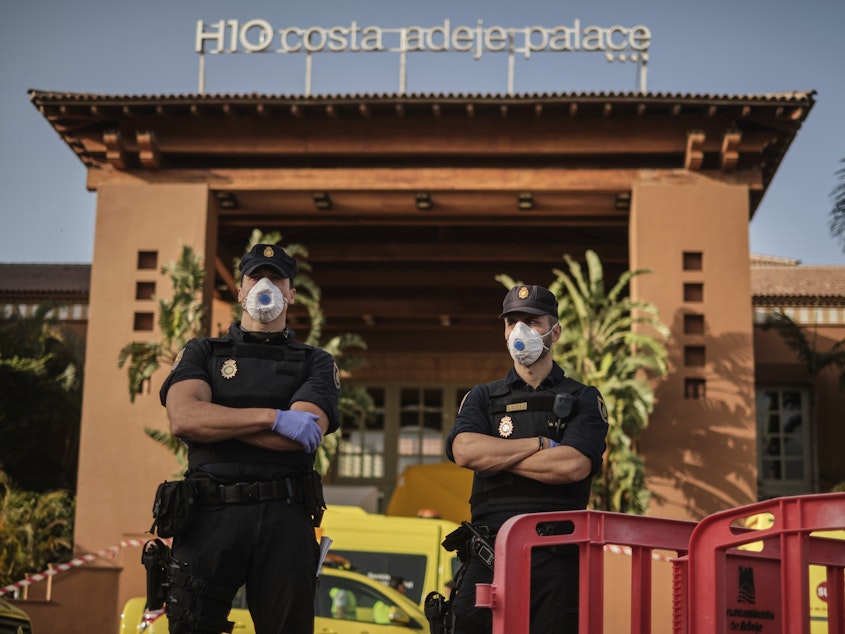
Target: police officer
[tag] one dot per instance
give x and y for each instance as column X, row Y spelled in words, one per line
column 252, row 407
column 534, row 440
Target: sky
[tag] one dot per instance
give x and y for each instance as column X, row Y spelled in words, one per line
column 717, row 47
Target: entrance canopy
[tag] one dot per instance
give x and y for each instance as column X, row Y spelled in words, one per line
column 411, row 205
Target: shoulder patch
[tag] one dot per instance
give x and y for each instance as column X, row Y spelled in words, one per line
column 177, row 359
column 336, row 373
column 463, row 400
column 602, row 408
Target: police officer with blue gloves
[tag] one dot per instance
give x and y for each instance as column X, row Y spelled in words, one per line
column 534, row 440
column 252, row 407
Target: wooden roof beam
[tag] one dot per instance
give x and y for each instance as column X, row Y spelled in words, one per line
column 730, row 150
column 694, row 156
column 445, row 253
column 390, row 179
column 115, row 151
column 796, row 114
column 148, row 151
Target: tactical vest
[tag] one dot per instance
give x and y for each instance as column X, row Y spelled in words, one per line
column 521, row 413
column 250, row 375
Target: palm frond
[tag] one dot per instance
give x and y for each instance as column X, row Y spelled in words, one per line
column 617, row 345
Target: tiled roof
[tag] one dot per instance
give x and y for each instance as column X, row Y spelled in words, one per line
column 758, row 259
column 792, row 284
column 44, row 96
column 35, row 279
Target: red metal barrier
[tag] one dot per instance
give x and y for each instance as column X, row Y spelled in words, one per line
column 719, row 584
column 509, row 594
column 729, row 589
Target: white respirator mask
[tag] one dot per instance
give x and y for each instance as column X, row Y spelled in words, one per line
column 265, row 301
column 526, row 344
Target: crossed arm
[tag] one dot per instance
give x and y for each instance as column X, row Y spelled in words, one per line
column 194, row 417
column 520, row 456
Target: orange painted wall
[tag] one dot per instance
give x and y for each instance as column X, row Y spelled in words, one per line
column 700, row 453
column 119, row 465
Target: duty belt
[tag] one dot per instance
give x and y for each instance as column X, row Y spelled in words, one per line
column 211, row 492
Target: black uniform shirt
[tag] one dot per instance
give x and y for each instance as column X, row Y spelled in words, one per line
column 585, row 431
column 321, row 385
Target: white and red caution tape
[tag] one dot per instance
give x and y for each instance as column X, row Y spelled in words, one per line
column 106, row 553
column 111, row 551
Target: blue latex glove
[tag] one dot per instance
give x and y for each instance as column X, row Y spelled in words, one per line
column 299, row 426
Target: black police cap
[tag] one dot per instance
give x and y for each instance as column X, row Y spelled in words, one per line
column 533, row 300
column 270, row 255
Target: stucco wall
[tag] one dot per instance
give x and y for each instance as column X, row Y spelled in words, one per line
column 700, row 453
column 119, row 465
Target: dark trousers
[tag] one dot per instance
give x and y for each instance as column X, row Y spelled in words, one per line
column 269, row 546
column 554, row 595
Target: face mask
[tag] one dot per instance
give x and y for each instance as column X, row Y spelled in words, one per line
column 526, row 344
column 265, row 301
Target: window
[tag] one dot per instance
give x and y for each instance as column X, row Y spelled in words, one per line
column 360, row 453
column 693, row 324
column 693, row 261
column 145, row 290
column 409, row 427
column 783, row 441
column 694, row 356
column 695, row 388
column 693, row 292
column 381, row 566
column 147, row 260
column 143, row 322
column 420, row 427
column 346, row 599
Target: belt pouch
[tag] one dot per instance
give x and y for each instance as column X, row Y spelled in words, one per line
column 174, row 508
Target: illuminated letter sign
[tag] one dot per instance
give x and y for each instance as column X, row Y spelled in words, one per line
column 619, row 43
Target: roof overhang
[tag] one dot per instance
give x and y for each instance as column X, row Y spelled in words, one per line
column 410, row 205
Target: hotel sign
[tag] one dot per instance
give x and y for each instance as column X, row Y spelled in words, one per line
column 618, row 43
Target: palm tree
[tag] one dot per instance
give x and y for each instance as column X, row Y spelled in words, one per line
column 837, row 213
column 617, row 345
column 35, row 530
column 40, row 400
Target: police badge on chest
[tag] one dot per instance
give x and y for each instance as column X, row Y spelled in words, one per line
column 505, row 426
